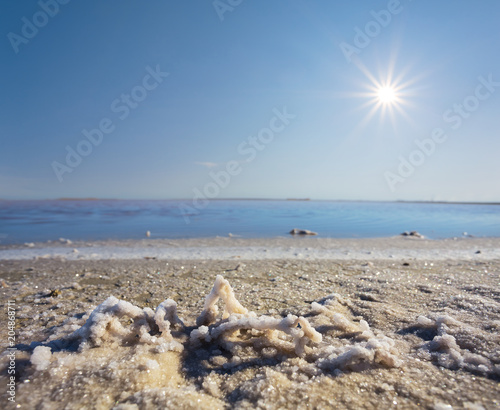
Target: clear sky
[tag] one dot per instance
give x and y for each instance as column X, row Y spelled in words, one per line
column 376, row 100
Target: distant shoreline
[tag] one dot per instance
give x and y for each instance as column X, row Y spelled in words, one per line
column 252, row 199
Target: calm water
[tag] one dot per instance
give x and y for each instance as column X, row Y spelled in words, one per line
column 30, row 221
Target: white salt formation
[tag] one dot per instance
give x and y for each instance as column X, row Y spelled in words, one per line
column 141, row 351
column 269, row 325
column 110, row 323
column 236, row 318
column 121, row 323
column 445, row 348
column 370, row 350
column 41, row 357
column 222, row 289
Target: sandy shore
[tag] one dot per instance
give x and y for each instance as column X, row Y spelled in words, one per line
column 404, row 322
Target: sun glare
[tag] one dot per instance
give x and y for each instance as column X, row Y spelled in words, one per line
column 387, row 95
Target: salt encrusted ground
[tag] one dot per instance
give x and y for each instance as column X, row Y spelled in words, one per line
column 438, row 301
column 295, row 248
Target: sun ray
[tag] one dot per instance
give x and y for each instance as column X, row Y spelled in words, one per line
column 386, row 96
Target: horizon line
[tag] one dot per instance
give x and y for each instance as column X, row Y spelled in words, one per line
column 258, row 199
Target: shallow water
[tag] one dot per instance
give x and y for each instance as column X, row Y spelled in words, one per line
column 23, row 221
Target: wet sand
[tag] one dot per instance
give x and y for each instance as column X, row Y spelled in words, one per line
column 438, row 302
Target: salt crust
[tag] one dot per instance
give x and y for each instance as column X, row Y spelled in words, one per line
column 446, row 350
column 116, row 322
column 372, row 348
column 41, row 357
column 221, row 289
column 105, row 325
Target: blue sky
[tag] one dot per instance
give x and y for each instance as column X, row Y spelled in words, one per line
column 232, row 65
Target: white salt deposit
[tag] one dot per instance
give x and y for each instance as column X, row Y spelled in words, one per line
column 115, row 321
column 288, row 325
column 41, row 357
column 371, row 350
column 445, row 349
column 222, row 289
column 120, row 323
column 234, row 248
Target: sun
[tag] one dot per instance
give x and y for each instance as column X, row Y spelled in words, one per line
column 387, row 95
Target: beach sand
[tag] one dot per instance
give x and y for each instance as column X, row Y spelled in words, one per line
column 404, row 322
